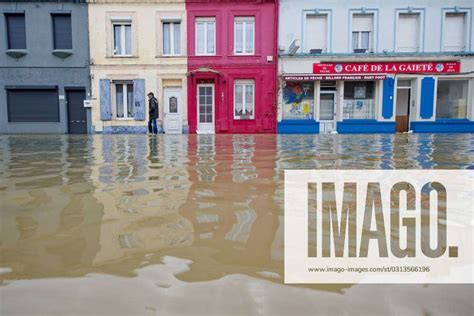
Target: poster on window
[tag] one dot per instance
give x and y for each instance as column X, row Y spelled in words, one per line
column 359, row 92
column 298, row 99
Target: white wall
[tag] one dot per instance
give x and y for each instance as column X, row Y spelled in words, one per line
column 292, row 12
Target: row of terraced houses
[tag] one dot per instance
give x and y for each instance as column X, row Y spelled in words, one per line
column 248, row 66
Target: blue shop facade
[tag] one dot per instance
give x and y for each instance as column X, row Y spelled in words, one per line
column 419, row 95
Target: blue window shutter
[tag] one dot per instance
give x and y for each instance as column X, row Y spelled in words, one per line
column 387, row 99
column 427, row 97
column 105, row 104
column 139, row 99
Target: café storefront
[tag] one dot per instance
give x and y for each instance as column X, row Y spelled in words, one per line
column 376, row 97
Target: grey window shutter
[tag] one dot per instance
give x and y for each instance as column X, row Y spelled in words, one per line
column 139, row 99
column 16, row 31
column 62, row 31
column 105, row 104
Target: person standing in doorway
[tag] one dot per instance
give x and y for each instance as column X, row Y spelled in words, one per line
column 152, row 113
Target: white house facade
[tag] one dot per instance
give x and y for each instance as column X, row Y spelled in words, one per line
column 376, row 66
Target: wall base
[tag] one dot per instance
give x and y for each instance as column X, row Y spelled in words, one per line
column 365, row 127
column 298, row 127
column 443, row 126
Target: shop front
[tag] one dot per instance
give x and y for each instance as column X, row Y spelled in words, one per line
column 376, row 97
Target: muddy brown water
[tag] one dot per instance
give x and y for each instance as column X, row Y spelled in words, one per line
column 75, row 206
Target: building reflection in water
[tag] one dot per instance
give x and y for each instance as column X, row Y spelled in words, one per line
column 115, row 203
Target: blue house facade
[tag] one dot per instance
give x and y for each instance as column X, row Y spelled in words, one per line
column 376, row 67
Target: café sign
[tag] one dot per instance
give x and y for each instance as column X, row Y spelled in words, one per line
column 430, row 67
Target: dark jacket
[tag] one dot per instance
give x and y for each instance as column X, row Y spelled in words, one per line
column 153, row 108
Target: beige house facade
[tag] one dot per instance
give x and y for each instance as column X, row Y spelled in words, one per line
column 137, row 47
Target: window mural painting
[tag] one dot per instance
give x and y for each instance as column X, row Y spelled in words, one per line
column 298, row 100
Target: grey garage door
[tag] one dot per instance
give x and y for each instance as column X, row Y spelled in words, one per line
column 33, row 105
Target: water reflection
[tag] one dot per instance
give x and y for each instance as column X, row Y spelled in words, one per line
column 111, row 204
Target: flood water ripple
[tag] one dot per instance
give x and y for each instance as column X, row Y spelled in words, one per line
column 112, row 204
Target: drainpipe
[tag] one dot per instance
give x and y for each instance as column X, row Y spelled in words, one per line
column 276, row 61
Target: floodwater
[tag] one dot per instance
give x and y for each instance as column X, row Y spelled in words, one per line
column 187, row 224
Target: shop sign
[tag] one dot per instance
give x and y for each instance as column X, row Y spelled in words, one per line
column 332, row 77
column 430, row 67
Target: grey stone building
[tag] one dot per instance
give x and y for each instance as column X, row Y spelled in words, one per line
column 44, row 67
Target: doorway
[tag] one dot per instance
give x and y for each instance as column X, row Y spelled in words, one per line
column 76, row 112
column 173, row 122
column 327, row 102
column 402, row 118
column 205, row 108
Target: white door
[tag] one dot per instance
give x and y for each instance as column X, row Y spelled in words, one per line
column 205, row 108
column 327, row 113
column 173, row 121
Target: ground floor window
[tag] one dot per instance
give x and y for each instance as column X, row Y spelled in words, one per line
column 359, row 100
column 244, row 99
column 124, row 100
column 298, row 100
column 451, row 102
column 33, row 105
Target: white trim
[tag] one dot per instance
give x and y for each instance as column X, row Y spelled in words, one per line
column 123, row 46
column 244, row 83
column 421, row 27
column 244, row 21
column 124, row 100
column 206, row 21
column 171, row 37
column 467, row 27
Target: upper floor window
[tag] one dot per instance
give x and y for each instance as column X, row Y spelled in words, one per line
column 362, row 32
column 122, row 38
column 244, row 99
column 244, row 35
column 315, row 35
column 124, row 100
column 171, row 38
column 205, row 36
column 16, row 31
column 408, row 32
column 454, row 32
column 62, row 31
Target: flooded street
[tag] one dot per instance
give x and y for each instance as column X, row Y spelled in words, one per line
column 187, row 224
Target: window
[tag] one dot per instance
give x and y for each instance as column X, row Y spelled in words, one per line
column 244, row 35
column 124, row 100
column 205, row 36
column 359, row 100
column 454, row 32
column 451, row 102
column 298, row 100
column 33, row 105
column 122, row 39
column 408, row 32
column 316, row 29
column 244, row 99
column 171, row 38
column 16, row 33
column 362, row 32
column 62, row 32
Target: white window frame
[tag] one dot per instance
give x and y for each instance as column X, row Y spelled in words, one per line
column 421, row 26
column 124, row 100
column 172, row 35
column 122, row 24
column 244, row 83
column 244, row 20
column 467, row 30
column 373, row 37
column 206, row 21
column 359, row 40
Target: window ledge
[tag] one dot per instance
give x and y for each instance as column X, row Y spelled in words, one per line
column 16, row 53
column 122, row 56
column 62, row 53
column 170, row 56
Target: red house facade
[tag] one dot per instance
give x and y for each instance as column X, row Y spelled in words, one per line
column 232, row 66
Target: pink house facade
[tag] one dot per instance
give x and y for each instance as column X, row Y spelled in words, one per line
column 232, row 66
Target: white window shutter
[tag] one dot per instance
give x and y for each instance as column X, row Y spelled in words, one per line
column 316, row 32
column 408, row 32
column 454, row 32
